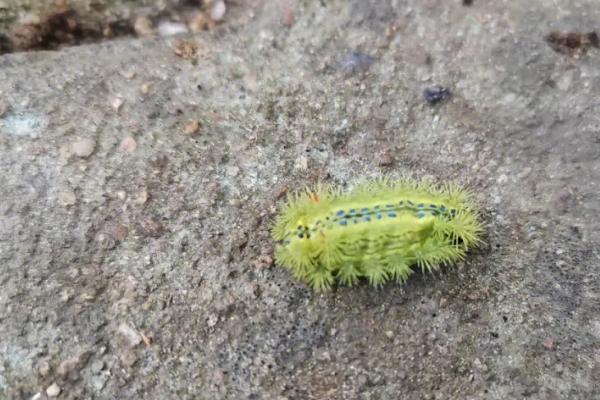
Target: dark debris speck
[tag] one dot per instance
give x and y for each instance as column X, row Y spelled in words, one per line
column 435, row 94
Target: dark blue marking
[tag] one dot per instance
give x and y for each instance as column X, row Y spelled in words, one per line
column 420, row 214
column 365, row 210
column 379, row 216
column 432, row 206
column 421, row 205
column 367, row 218
column 392, row 214
column 352, row 211
column 340, row 213
column 299, row 227
column 300, row 235
column 343, row 222
column 434, row 213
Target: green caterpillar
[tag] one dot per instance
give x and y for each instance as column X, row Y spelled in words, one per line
column 376, row 231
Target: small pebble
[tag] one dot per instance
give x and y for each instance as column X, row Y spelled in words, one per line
column 116, row 103
column 99, row 381
column 385, row 160
column 212, row 320
column 301, row 163
column 118, row 232
column 217, row 12
column 133, row 338
column 389, row 334
column 44, row 368
column 105, row 241
column 443, row 302
column 362, row 380
column 150, row 227
column 145, row 88
column 548, row 344
column 53, row 390
column 83, row 148
column 324, row 356
column 143, row 26
column 200, row 22
column 192, row 127
column 141, row 197
column 263, row 261
column 129, row 144
column 435, row 94
column 253, row 289
column 67, row 198
column 390, row 30
column 72, row 364
column 168, row 28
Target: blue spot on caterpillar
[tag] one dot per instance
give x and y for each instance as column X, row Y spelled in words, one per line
column 377, row 243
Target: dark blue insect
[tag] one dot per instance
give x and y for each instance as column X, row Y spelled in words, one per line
column 435, row 94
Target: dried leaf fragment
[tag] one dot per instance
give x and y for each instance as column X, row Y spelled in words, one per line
column 570, row 43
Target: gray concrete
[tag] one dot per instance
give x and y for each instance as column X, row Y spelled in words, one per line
column 103, row 240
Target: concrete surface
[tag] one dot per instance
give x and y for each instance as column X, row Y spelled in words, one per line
column 134, row 257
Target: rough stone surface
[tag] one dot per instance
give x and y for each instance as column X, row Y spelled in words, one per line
column 187, row 267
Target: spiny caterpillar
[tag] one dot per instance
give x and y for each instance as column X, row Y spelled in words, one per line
column 376, row 231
